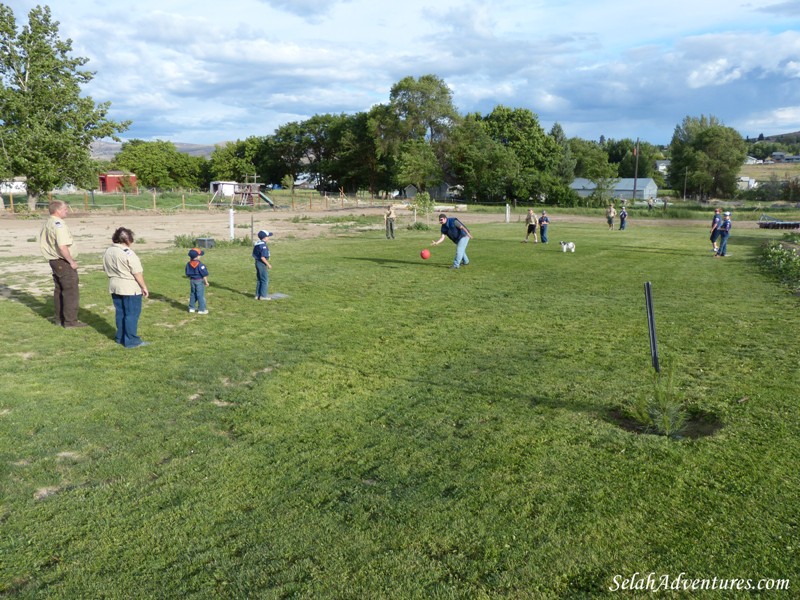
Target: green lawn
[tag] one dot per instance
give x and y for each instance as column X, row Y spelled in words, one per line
column 395, row 429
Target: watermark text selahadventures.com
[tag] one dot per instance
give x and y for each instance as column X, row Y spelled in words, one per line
column 659, row 583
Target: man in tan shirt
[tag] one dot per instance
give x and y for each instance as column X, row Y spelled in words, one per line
column 55, row 241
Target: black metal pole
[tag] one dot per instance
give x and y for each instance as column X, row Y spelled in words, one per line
column 651, row 326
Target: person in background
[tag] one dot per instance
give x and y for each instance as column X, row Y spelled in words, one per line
column 388, row 221
column 197, row 273
column 530, row 222
column 261, row 256
column 544, row 224
column 611, row 212
column 716, row 221
column 127, row 287
column 459, row 234
column 724, row 234
column 623, row 218
column 55, row 241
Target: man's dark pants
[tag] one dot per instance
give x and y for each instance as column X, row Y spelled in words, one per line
column 66, row 296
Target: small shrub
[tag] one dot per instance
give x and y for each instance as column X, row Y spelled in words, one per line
column 782, row 260
column 184, row 241
column 662, row 412
column 423, row 203
column 188, row 241
column 419, row 226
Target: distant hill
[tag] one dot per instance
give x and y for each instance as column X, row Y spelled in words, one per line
column 784, row 138
column 102, row 150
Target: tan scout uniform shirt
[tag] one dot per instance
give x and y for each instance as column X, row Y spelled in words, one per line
column 55, row 233
column 120, row 263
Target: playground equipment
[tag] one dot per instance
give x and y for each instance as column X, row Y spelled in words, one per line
column 240, row 194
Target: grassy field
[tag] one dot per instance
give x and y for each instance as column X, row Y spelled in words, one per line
column 395, row 429
column 780, row 171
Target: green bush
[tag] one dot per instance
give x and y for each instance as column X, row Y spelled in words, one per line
column 781, row 259
column 419, row 226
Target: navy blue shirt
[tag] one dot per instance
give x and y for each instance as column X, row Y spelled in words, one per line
column 454, row 229
column 260, row 250
column 197, row 271
column 726, row 226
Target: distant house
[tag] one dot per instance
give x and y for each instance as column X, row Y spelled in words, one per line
column 117, row 181
column 410, row 191
column 782, row 157
column 662, row 166
column 751, row 160
column 645, row 188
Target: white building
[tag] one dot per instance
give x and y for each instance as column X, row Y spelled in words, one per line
column 645, row 188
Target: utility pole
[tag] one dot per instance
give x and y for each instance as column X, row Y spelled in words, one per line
column 635, row 169
column 685, row 177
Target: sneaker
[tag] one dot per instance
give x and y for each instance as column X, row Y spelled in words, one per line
column 191, row 310
column 452, row 267
column 202, row 312
column 138, row 345
column 75, row 325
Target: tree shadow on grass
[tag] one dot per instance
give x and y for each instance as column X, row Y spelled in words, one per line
column 43, row 308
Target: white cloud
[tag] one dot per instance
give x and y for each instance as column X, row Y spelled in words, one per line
column 716, row 72
column 196, row 68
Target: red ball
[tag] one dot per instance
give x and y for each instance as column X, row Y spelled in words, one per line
column 425, row 254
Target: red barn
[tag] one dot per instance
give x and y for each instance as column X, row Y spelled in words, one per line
column 117, row 181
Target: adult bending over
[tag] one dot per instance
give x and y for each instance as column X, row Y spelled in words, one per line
column 459, row 234
column 127, row 287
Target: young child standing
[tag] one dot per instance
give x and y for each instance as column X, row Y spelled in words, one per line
column 261, row 256
column 198, row 281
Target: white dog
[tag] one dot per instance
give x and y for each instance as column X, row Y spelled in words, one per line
column 565, row 246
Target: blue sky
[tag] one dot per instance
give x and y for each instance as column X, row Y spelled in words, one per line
column 207, row 71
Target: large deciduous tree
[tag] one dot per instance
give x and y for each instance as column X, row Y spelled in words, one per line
column 518, row 129
column 706, row 157
column 46, row 126
column 485, row 167
column 158, row 164
column 240, row 160
column 424, row 108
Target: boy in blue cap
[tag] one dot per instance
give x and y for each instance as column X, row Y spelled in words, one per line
column 198, row 281
column 261, row 256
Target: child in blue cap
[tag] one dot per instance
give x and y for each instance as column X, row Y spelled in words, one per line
column 261, row 257
column 198, row 281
